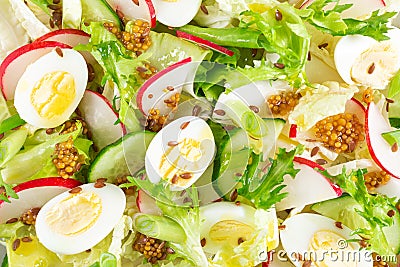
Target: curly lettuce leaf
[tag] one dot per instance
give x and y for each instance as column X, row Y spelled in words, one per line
column 265, row 192
column 375, row 209
column 330, row 21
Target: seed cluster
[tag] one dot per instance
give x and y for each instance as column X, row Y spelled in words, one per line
column 155, row 121
column 375, row 179
column 378, row 262
column 127, row 190
column 67, row 159
column 340, row 133
column 29, row 216
column 173, row 101
column 56, row 14
column 138, row 41
column 70, row 126
column 152, row 249
column 283, row 103
column 146, row 71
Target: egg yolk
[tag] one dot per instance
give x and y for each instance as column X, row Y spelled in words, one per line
column 53, row 94
column 229, row 232
column 323, row 243
column 74, row 214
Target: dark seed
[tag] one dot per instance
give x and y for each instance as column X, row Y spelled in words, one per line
column 56, row 1
column 163, row 257
column 309, row 56
column 88, row 250
column 101, row 180
column 1, row 136
column 395, row 147
column 174, row 179
column 278, row 15
column 12, row 220
column 219, row 112
column 196, row 110
column 35, row 211
column 162, row 244
column 391, row 101
column 146, row 32
column 204, row 9
column 339, row 225
column 314, row 151
column 186, row 175
column 59, row 51
column 203, row 242
column 150, row 96
column 238, row 174
column 352, row 146
column 170, row 88
column 282, row 227
column 141, row 69
column 229, row 127
column 184, row 125
column 321, row 161
column 324, row 45
column 218, row 200
column 363, row 243
column 26, row 239
column 170, row 250
column 237, row 203
column 254, row 109
column 54, row 7
column 311, row 140
column 234, row 195
column 49, row 130
column 75, row 190
column 307, row 263
column 387, row 107
column 240, row 240
column 16, row 244
column 371, row 68
column 173, row 143
column 279, row 65
column 168, row 101
column 136, row 2
column 99, row 185
column 391, row 213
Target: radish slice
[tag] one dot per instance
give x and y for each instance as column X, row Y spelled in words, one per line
column 203, row 42
column 381, row 152
column 71, row 37
column 309, row 186
column 391, row 189
column 101, row 119
column 34, row 194
column 14, row 65
column 293, row 131
column 131, row 11
column 154, row 91
column 147, row 204
column 176, row 13
column 359, row 8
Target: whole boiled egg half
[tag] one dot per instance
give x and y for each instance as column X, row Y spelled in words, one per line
column 78, row 219
column 321, row 242
column 167, row 10
column 362, row 60
column 51, row 88
column 180, row 153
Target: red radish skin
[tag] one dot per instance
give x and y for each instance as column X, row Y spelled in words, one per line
column 34, row 194
column 381, row 152
column 148, row 85
column 147, row 204
column 293, row 131
column 14, row 65
column 203, row 42
column 70, row 37
column 100, row 116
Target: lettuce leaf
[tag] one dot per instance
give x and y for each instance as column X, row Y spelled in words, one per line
column 320, row 101
column 374, row 209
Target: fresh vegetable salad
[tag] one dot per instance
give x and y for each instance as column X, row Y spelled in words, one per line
column 220, row 133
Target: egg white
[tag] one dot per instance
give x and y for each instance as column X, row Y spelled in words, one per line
column 113, row 205
column 198, row 130
column 300, row 228
column 73, row 63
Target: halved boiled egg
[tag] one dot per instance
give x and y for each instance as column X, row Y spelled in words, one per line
column 225, row 223
column 364, row 61
column 180, row 152
column 50, row 89
column 322, row 242
column 167, row 10
column 78, row 219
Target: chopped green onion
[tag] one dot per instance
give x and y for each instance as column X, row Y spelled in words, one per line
column 11, row 123
column 392, row 137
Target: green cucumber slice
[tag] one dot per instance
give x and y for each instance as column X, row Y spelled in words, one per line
column 123, row 157
column 99, row 10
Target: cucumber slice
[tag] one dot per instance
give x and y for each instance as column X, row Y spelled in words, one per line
column 99, row 10
column 123, row 157
column 12, row 144
column 72, row 14
column 342, row 209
